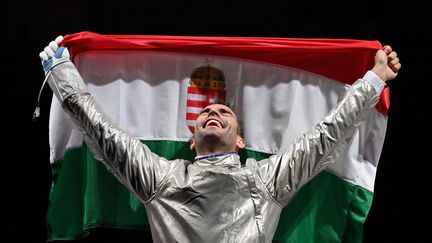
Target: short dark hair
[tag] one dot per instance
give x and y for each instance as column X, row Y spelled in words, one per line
column 239, row 122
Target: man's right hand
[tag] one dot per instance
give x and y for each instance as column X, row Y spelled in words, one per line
column 53, row 54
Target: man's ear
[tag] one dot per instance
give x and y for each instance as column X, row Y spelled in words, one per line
column 192, row 144
column 241, row 143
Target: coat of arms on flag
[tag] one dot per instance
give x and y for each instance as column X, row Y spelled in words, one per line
column 206, row 86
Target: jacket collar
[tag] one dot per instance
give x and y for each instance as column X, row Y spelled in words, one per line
column 227, row 158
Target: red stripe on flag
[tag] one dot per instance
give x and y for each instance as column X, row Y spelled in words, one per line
column 195, row 103
column 191, row 128
column 191, row 116
column 344, row 60
column 384, row 103
column 194, row 90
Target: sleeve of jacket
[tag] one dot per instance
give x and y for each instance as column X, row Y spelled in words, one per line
column 283, row 174
column 126, row 157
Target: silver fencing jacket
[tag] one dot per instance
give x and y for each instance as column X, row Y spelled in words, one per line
column 214, row 198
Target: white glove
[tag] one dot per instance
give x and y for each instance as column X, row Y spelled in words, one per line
column 52, row 55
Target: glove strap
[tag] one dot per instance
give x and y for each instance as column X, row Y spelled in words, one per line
column 36, row 113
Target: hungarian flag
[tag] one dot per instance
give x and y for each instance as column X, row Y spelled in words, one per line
column 279, row 87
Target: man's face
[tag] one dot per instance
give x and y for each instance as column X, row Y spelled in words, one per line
column 217, row 125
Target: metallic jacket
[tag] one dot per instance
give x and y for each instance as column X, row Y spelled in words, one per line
column 214, row 198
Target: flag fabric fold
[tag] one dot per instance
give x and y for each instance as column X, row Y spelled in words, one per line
column 278, row 86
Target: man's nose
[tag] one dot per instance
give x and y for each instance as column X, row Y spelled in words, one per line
column 213, row 113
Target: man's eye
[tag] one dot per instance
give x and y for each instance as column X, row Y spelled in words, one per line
column 226, row 113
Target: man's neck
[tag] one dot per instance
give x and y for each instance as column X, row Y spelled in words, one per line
column 210, row 151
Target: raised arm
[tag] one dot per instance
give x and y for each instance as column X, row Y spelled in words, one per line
column 285, row 173
column 126, row 157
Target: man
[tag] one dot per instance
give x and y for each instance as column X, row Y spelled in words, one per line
column 214, row 198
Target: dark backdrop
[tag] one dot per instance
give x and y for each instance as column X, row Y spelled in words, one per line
column 402, row 183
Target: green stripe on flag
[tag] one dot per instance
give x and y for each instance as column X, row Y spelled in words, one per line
column 85, row 195
column 327, row 209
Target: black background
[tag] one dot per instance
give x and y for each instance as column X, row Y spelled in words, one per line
column 402, row 183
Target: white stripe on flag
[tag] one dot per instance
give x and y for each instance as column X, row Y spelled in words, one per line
column 196, row 97
column 190, row 123
column 193, row 110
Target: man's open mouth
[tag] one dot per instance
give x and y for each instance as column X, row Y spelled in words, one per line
column 213, row 123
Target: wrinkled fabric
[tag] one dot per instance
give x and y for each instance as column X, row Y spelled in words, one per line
column 214, row 198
